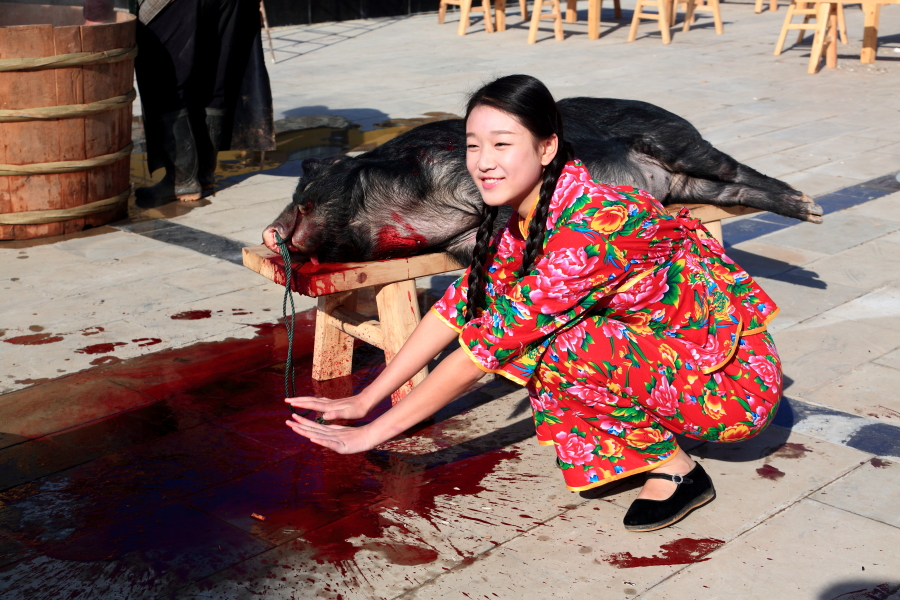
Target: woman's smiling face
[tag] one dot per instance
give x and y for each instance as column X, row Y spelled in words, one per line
column 504, row 159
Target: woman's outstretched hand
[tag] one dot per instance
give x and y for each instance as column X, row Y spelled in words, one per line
column 353, row 407
column 343, row 440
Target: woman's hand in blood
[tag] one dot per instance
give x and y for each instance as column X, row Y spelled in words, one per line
column 354, row 407
column 343, row 440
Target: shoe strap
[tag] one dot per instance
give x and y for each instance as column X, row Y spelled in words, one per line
column 677, row 479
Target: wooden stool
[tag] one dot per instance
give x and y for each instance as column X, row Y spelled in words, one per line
column 825, row 39
column 809, row 9
column 500, row 12
column 337, row 322
column 773, row 6
column 703, row 5
column 663, row 16
column 572, row 9
column 537, row 15
column 465, row 8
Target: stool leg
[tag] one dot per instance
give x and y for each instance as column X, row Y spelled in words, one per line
column 779, row 46
column 689, row 15
column 872, row 14
column 715, row 228
column 465, row 7
column 617, row 9
column 571, row 11
column 535, row 20
column 717, row 16
column 488, row 19
column 398, row 312
column 819, row 40
column 664, row 21
column 673, row 7
column 758, row 8
column 442, row 12
column 595, row 8
column 523, row 6
column 500, row 14
column 802, row 32
column 842, row 24
column 773, row 5
column 557, row 21
column 635, row 20
column 831, row 53
column 332, row 348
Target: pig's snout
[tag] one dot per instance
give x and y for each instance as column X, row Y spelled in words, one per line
column 285, row 226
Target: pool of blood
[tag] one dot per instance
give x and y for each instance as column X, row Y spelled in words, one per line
column 211, row 442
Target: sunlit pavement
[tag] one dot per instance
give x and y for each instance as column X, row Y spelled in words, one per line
column 141, row 415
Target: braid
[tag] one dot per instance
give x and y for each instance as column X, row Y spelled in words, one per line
column 475, row 295
column 535, row 242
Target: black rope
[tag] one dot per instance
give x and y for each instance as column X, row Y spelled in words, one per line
column 289, row 389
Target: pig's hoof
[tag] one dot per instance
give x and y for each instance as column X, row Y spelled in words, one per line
column 804, row 208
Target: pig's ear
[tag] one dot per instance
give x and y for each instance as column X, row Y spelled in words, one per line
column 311, row 166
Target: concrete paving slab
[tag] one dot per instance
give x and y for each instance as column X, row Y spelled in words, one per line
column 869, row 390
column 810, row 551
column 760, row 259
column 879, row 308
column 891, row 359
column 582, row 553
column 816, row 184
column 759, row 478
column 869, row 491
column 803, row 296
column 824, row 349
column 867, row 266
column 839, row 232
column 866, row 165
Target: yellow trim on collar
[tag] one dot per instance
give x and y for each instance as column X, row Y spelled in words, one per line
column 523, row 225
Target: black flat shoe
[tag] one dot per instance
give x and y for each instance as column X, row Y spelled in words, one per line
column 694, row 490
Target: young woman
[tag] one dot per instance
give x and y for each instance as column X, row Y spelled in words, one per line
column 626, row 324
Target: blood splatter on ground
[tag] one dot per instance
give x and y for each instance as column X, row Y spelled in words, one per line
column 770, row 472
column 192, row 315
column 791, row 450
column 104, row 348
column 880, row 463
column 161, row 494
column 35, row 339
column 679, row 552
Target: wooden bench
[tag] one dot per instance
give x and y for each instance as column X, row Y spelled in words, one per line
column 393, row 281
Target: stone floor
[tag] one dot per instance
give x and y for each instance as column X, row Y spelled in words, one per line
column 141, row 366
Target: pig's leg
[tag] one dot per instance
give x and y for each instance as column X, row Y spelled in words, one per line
column 704, row 174
column 685, row 189
column 284, row 225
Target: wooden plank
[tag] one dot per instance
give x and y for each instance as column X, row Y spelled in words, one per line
column 708, row 212
column 398, row 312
column 32, row 141
column 332, row 348
column 72, row 186
column 329, row 278
column 109, row 131
column 359, row 326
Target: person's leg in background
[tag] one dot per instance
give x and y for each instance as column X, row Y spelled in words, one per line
column 164, row 66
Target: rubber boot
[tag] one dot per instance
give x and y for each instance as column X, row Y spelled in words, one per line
column 209, row 135
column 180, row 159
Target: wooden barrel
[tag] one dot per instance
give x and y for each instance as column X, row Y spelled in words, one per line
column 65, row 120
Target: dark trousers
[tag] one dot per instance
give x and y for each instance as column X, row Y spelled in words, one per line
column 199, row 54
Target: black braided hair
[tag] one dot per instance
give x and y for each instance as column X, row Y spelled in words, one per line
column 475, row 298
column 530, row 102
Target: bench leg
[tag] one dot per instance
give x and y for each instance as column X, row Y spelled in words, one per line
column 715, row 228
column 332, row 348
column 398, row 312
